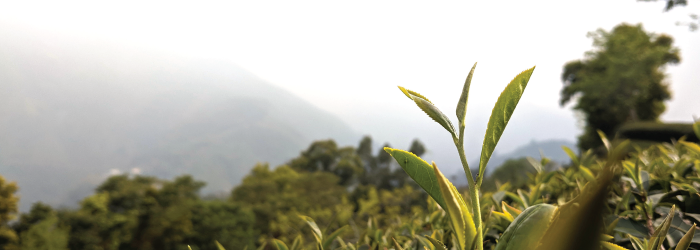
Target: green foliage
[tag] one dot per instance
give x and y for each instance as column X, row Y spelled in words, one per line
column 45, row 235
column 277, row 197
column 8, row 210
column 620, row 80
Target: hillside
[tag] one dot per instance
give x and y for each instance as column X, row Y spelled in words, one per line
column 71, row 114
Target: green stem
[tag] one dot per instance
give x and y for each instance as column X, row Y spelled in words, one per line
column 473, row 189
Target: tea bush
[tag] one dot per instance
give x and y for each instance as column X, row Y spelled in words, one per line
column 634, row 198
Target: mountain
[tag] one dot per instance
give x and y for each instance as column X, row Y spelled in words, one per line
column 72, row 113
column 551, row 149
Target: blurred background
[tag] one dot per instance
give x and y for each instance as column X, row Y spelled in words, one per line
column 93, row 92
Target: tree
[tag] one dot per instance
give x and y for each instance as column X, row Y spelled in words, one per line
column 8, row 211
column 621, row 80
column 278, row 196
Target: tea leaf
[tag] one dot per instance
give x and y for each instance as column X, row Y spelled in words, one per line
column 331, row 237
column 297, row 243
column 572, row 155
column 420, row 171
column 535, row 164
column 456, row 208
column 462, row 103
column 509, row 209
column 219, row 246
column 279, row 244
column 438, row 245
column 604, row 139
column 684, row 243
column 410, row 94
column 500, row 116
column 396, row 244
column 314, row 228
column 611, row 246
column 657, row 240
column 430, row 109
column 696, row 128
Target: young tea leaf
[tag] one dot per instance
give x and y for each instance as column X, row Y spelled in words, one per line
column 464, row 231
column 500, row 116
column 657, row 240
column 462, row 103
column 430, row 109
column 605, row 140
column 420, row 171
column 684, row 243
column 438, row 245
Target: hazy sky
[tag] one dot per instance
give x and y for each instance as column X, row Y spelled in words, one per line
column 348, row 57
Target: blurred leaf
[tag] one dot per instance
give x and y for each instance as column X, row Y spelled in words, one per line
column 511, row 210
column 528, row 228
column 219, row 246
column 314, row 228
column 462, row 103
column 460, row 218
column 535, row 164
column 572, row 155
column 396, row 244
column 297, row 243
column 604, row 139
column 684, row 243
column 500, row 116
column 611, row 246
column 279, row 244
column 438, row 245
column 577, row 223
column 696, row 128
column 420, row 171
column 328, row 240
column 692, row 146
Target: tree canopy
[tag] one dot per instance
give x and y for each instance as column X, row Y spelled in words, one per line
column 622, row 79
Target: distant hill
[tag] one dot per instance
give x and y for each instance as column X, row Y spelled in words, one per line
column 71, row 114
column 549, row 148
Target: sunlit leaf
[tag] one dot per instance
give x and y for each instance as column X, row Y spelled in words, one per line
column 219, row 246
column 420, row 171
column 511, row 210
column 527, row 229
column 657, row 239
column 500, row 116
column 430, row 109
column 611, row 246
column 684, row 243
column 438, row 245
column 463, row 230
column 572, row 155
column 604, row 139
column 462, row 103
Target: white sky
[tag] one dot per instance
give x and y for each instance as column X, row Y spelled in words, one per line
column 348, row 57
